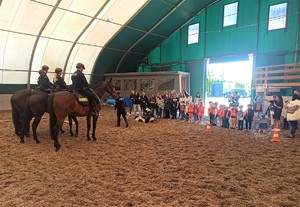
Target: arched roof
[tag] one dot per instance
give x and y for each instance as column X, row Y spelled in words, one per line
column 105, row 35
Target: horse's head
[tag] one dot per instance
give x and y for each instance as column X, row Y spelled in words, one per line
column 110, row 88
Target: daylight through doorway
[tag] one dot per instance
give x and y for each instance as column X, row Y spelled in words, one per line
column 225, row 77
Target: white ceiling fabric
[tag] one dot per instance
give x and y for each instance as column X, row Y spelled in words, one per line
column 57, row 33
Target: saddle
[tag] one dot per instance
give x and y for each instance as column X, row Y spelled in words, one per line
column 82, row 100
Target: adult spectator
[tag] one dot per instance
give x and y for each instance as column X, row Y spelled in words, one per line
column 293, row 116
column 144, row 101
column 136, row 104
column 295, row 95
column 258, row 103
column 234, row 100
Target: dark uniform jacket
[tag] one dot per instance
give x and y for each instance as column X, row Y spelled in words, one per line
column 44, row 81
column 79, row 81
column 136, row 99
column 59, row 83
column 120, row 103
column 174, row 102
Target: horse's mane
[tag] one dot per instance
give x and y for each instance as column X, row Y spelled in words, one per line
column 99, row 88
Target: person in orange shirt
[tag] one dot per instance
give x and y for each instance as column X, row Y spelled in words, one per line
column 220, row 115
column 233, row 114
column 211, row 113
column 191, row 111
column 200, row 112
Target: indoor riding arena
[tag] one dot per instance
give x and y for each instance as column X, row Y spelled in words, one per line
column 178, row 102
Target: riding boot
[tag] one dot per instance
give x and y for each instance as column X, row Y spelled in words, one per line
column 93, row 108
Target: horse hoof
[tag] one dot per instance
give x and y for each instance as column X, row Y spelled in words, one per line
column 72, row 135
column 94, row 139
column 37, row 141
column 22, row 141
column 57, row 148
column 76, row 135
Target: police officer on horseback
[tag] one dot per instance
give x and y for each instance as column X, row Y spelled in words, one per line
column 81, row 85
column 120, row 107
column 43, row 80
column 59, row 83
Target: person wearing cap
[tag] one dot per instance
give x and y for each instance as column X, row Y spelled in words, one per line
column 120, row 108
column 80, row 85
column 295, row 95
column 59, row 83
column 43, row 80
column 293, row 116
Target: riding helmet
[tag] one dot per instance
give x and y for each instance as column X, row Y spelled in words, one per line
column 80, row 65
column 45, row 67
column 58, row 70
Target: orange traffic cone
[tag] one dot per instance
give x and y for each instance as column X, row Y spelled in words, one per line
column 208, row 129
column 275, row 136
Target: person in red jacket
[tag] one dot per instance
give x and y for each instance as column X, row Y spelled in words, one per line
column 200, row 112
column 191, row 111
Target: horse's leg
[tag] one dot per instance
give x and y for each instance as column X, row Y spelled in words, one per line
column 70, row 125
column 25, row 126
column 76, row 123
column 55, row 136
column 37, row 120
column 88, row 125
column 95, row 118
column 61, row 130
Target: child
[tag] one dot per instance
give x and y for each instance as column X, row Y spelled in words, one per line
column 240, row 117
column 220, row 115
column 191, row 111
column 211, row 113
column 225, row 120
column 233, row 114
column 263, row 124
column 249, row 114
column 195, row 114
column 200, row 112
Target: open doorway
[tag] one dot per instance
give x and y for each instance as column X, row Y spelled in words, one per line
column 224, row 77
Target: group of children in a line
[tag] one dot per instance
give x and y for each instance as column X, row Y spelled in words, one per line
column 235, row 117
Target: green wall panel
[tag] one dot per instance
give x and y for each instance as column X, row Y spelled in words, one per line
column 250, row 35
column 240, row 38
column 170, row 49
column 280, row 39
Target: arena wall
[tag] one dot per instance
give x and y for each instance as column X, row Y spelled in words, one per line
column 5, row 102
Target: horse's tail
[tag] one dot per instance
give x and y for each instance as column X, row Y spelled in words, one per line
column 15, row 114
column 52, row 116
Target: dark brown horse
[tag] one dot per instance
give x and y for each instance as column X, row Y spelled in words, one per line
column 18, row 102
column 61, row 104
column 27, row 104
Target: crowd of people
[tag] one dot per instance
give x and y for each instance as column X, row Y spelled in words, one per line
column 182, row 106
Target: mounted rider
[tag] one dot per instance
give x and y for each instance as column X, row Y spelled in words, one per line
column 59, row 83
column 81, row 86
column 43, row 80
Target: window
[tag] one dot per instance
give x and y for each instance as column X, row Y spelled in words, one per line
column 230, row 14
column 193, row 33
column 277, row 16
